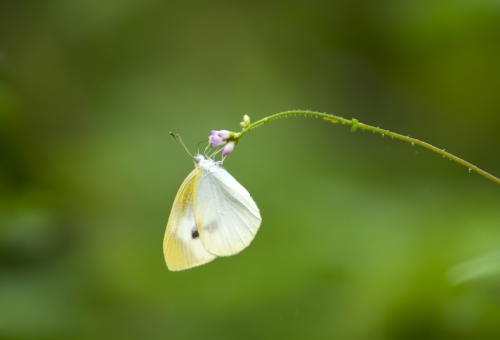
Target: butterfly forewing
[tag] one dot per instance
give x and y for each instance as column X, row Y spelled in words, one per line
column 225, row 213
column 182, row 245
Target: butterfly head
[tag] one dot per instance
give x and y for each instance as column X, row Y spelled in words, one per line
column 198, row 158
column 205, row 162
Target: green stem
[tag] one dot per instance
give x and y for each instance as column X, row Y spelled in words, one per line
column 355, row 125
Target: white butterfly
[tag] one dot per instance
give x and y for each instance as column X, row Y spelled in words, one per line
column 212, row 215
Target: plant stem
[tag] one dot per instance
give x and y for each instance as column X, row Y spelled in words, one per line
column 356, row 125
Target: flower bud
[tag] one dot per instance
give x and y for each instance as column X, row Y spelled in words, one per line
column 228, row 148
column 215, row 139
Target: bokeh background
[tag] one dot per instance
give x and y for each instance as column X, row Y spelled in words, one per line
column 360, row 233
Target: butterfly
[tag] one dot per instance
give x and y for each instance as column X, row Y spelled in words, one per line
column 212, row 215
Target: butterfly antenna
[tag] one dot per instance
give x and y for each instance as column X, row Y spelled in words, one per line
column 179, row 140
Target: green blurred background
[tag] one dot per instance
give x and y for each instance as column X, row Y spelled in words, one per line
column 359, row 231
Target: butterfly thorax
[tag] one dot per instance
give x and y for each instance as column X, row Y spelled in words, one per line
column 205, row 163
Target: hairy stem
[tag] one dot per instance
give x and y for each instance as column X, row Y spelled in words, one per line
column 356, row 125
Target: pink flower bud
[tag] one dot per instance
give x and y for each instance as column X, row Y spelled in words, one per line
column 215, row 139
column 228, row 148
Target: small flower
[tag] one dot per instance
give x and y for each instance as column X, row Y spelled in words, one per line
column 217, row 138
column 222, row 137
column 228, row 148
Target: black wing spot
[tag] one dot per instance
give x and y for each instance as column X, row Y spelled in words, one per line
column 194, row 233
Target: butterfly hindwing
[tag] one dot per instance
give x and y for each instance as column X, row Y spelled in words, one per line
column 182, row 245
column 225, row 213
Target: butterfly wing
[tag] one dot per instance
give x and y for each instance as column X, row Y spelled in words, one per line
column 182, row 245
column 225, row 213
